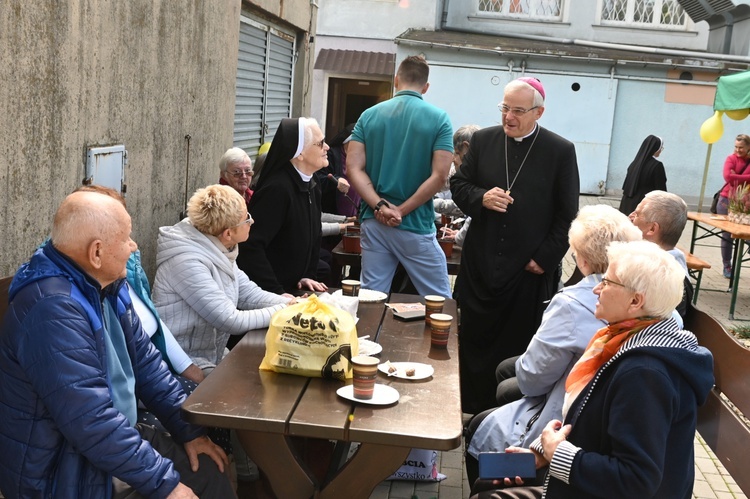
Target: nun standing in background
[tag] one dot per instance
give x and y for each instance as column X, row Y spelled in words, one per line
column 645, row 174
column 281, row 254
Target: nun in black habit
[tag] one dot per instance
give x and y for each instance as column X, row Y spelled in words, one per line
column 645, row 174
column 281, row 254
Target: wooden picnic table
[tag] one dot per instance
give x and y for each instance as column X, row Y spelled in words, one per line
column 266, row 408
column 712, row 226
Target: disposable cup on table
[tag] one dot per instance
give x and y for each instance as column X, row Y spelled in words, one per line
column 350, row 287
column 440, row 328
column 433, row 304
column 365, row 370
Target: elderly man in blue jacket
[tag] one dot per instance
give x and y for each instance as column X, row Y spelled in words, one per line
column 74, row 361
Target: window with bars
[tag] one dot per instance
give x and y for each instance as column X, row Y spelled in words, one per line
column 655, row 13
column 524, row 9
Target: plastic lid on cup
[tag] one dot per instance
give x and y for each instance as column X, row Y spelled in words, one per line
column 441, row 317
column 365, row 360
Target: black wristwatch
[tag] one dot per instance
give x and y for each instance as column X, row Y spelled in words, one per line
column 380, row 204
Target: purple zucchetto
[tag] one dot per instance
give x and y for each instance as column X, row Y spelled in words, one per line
column 534, row 83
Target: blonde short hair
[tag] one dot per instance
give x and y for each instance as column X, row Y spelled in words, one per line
column 594, row 228
column 644, row 267
column 215, row 208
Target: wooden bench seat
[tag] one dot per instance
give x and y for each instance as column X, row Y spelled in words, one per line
column 718, row 422
column 4, row 285
column 695, row 269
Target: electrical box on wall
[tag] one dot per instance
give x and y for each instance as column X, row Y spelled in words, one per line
column 106, row 166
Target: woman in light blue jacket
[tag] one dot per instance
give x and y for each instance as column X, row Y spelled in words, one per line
column 567, row 326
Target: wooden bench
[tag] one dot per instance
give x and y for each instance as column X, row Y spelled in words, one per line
column 695, row 268
column 4, row 285
column 718, row 422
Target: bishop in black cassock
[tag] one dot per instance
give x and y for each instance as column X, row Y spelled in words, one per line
column 510, row 263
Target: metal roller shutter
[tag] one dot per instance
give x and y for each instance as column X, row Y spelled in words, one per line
column 265, row 70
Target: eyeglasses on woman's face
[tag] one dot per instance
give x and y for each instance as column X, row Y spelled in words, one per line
column 249, row 221
column 321, row 143
column 241, row 173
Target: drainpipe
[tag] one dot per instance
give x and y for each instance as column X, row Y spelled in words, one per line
column 729, row 23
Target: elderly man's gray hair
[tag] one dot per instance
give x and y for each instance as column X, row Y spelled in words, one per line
column 463, row 134
column 670, row 212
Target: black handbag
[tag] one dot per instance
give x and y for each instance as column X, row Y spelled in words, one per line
column 716, row 200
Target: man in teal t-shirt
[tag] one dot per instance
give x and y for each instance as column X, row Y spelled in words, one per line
column 399, row 157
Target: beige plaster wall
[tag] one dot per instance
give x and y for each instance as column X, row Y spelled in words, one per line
column 144, row 73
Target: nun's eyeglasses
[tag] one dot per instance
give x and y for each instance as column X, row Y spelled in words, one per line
column 320, row 144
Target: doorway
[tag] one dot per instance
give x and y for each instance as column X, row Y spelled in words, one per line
column 348, row 98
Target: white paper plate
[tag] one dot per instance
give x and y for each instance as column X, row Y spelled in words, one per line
column 367, row 295
column 421, row 371
column 367, row 347
column 381, row 395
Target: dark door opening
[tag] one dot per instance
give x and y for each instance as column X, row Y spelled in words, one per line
column 348, row 98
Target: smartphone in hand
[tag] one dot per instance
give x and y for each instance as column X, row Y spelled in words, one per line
column 497, row 465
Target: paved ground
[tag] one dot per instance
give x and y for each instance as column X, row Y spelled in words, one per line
column 711, row 479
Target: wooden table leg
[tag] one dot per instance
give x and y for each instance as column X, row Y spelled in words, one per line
column 735, row 282
column 273, row 454
column 370, row 465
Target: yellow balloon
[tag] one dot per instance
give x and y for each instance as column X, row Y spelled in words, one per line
column 264, row 148
column 712, row 129
column 738, row 114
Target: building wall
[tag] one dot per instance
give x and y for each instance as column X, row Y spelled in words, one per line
column 366, row 25
column 320, row 78
column 143, row 73
column 580, row 21
column 642, row 110
column 642, row 107
column 377, row 19
column 155, row 75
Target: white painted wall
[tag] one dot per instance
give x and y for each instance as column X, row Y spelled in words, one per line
column 470, row 96
column 639, row 110
column 379, row 19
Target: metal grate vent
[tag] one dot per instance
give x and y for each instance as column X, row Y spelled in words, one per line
column 700, row 10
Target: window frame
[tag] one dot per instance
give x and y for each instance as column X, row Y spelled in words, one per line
column 534, row 4
column 655, row 22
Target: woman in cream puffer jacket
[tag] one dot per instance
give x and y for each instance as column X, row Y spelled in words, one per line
column 199, row 291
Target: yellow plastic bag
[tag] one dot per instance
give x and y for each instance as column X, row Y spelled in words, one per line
column 311, row 338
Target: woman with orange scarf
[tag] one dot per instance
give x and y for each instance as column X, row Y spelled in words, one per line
column 631, row 400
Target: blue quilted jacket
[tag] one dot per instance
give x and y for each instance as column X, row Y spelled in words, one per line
column 60, row 435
